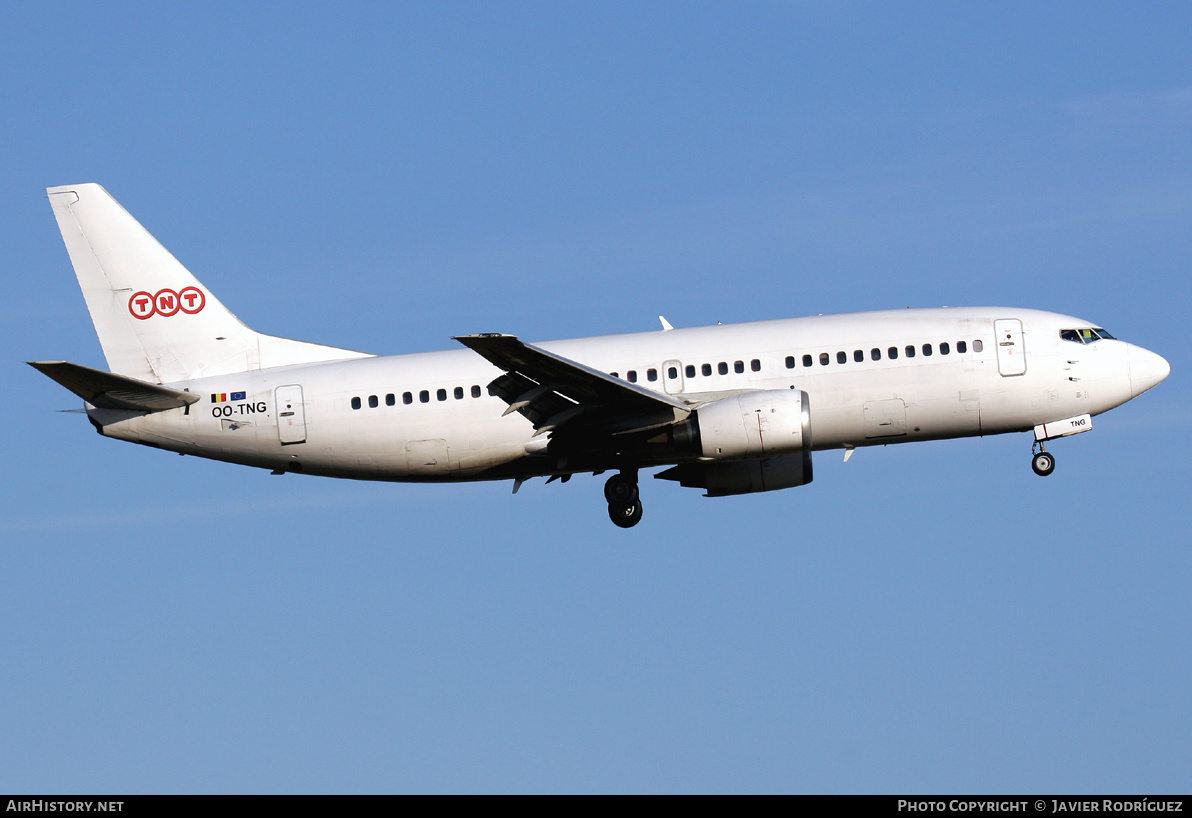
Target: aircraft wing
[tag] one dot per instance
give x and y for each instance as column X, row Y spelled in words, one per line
column 550, row 390
column 107, row 390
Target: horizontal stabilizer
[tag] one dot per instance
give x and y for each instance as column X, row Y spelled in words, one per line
column 109, row 391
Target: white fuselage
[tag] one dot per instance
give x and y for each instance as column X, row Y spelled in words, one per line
column 430, row 417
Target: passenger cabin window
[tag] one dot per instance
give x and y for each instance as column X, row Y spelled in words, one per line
column 722, row 368
column 841, row 357
column 672, row 372
column 390, row 399
column 755, row 365
column 910, row 350
column 806, row 360
column 651, row 375
column 355, row 403
column 738, row 367
column 927, row 350
column 944, row 348
column 892, row 352
column 459, row 393
column 407, row 398
column 690, row 370
column 790, row 361
column 961, row 347
column 706, row 369
column 824, row 359
column 441, row 394
column 632, row 374
column 858, row 355
column 978, row 346
column 424, row 396
column 373, row 403
column 475, row 391
column 875, row 354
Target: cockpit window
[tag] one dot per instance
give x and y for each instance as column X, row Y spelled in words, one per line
column 1085, row 335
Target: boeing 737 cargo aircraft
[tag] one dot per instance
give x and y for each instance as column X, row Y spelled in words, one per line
column 731, row 409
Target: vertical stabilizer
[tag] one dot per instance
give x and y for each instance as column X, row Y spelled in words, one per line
column 155, row 321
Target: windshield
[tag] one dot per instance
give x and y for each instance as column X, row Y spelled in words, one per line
column 1085, row 335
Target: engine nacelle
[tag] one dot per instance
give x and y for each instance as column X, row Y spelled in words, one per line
column 768, row 423
column 744, row 476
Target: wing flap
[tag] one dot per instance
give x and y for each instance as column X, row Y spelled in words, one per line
column 550, row 390
column 534, row 401
column 110, row 391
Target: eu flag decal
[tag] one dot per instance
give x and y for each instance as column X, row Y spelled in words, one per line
column 237, row 396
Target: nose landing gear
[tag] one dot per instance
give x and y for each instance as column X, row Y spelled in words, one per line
column 1042, row 462
column 624, row 505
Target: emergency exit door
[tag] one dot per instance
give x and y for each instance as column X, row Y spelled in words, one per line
column 672, row 377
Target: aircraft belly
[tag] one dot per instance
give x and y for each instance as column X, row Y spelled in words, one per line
column 880, row 415
column 953, row 416
column 411, row 452
column 476, row 461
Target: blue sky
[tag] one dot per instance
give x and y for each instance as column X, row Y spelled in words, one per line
column 928, row 618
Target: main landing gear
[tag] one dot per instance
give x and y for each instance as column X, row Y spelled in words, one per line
column 1042, row 461
column 624, row 505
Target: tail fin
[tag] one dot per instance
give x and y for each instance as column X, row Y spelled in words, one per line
column 154, row 319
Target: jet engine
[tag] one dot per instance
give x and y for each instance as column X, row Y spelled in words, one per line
column 768, row 423
column 743, row 476
column 755, row 441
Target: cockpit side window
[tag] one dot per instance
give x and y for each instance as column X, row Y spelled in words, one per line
column 1085, row 335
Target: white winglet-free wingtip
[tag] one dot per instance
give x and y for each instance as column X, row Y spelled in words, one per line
column 666, row 325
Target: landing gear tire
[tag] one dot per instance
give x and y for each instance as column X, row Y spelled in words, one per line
column 625, row 515
column 620, row 490
column 1043, row 464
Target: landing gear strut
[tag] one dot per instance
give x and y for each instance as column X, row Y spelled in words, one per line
column 1042, row 462
column 624, row 505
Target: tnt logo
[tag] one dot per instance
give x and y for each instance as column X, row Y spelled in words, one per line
column 167, row 302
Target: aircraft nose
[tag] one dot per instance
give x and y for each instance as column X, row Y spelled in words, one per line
column 1146, row 369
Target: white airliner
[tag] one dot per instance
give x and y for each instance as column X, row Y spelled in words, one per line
column 731, row 409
